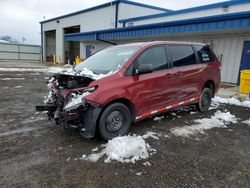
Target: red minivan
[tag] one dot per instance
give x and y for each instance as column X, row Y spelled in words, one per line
column 128, row 83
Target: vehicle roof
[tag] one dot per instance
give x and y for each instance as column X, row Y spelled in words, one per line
column 152, row 43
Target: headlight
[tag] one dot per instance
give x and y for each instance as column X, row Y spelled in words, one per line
column 77, row 100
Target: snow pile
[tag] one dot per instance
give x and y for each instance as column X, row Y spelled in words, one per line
column 219, row 120
column 85, row 72
column 231, row 101
column 246, row 122
column 58, row 70
column 22, row 70
column 6, row 79
column 125, row 149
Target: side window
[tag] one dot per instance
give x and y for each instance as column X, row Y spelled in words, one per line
column 182, row 55
column 205, row 54
column 155, row 56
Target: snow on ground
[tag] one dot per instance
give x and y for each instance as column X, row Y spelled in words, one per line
column 246, row 122
column 219, row 120
column 231, row 101
column 6, row 79
column 17, row 87
column 158, row 118
column 125, row 149
column 23, row 70
column 151, row 134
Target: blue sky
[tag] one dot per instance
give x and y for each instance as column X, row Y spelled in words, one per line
column 20, row 18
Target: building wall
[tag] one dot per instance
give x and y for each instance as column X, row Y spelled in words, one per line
column 94, row 20
column 129, row 11
column 196, row 14
column 99, row 19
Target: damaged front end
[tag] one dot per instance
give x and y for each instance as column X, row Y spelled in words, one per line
column 66, row 103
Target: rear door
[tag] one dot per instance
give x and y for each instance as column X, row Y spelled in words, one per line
column 188, row 73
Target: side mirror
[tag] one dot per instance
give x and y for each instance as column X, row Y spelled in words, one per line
column 144, row 69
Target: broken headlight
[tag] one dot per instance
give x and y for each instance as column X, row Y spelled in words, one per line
column 77, row 100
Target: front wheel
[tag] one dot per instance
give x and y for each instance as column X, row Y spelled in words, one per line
column 205, row 100
column 114, row 121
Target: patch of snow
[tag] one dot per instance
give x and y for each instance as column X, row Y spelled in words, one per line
column 166, row 136
column 125, row 149
column 138, row 173
column 23, row 70
column 147, row 164
column 95, row 149
column 231, row 101
column 5, row 79
column 151, row 134
column 246, row 122
column 17, row 87
column 68, row 159
column 219, row 120
column 157, row 118
column 89, row 73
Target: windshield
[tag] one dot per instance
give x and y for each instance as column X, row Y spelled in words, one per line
column 107, row 60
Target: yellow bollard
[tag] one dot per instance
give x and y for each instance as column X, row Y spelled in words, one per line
column 59, row 60
column 77, row 60
column 54, row 59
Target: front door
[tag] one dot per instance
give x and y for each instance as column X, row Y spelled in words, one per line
column 149, row 90
column 245, row 59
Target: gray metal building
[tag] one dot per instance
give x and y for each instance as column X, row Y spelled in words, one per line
column 225, row 25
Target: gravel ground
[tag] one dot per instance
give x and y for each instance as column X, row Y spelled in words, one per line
column 36, row 153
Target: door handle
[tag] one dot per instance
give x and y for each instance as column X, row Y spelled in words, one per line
column 168, row 75
column 179, row 73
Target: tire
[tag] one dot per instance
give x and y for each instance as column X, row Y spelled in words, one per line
column 205, row 100
column 114, row 121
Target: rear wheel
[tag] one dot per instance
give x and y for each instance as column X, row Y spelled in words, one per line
column 205, row 100
column 114, row 121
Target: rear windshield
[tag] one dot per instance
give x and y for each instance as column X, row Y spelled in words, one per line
column 107, row 60
column 205, row 54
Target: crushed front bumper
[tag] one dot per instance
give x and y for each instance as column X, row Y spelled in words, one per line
column 84, row 118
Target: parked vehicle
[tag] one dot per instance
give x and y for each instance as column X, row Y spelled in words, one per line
column 128, row 83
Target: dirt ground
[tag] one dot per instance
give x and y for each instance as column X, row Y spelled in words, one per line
column 36, row 153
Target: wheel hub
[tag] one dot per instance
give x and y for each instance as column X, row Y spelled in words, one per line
column 114, row 121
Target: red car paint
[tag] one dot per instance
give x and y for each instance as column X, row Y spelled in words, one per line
column 158, row 91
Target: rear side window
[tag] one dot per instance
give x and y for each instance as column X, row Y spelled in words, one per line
column 182, row 55
column 155, row 56
column 205, row 54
